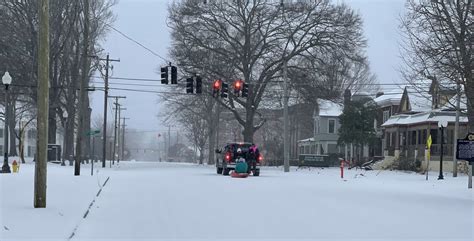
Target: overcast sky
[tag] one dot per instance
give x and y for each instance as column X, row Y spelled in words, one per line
column 145, row 21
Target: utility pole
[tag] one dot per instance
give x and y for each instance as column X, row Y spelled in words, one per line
column 123, row 137
column 82, row 94
column 456, row 129
column 118, row 133
column 106, row 94
column 117, row 106
column 43, row 107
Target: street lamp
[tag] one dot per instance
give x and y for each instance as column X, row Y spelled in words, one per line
column 65, row 115
column 441, row 124
column 7, row 80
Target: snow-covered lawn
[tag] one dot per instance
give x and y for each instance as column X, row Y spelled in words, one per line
column 150, row 201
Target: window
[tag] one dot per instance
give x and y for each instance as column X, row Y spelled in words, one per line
column 1, row 149
column 331, row 126
column 386, row 115
column 388, row 139
column 413, row 138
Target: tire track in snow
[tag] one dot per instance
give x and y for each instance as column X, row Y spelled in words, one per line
column 88, row 209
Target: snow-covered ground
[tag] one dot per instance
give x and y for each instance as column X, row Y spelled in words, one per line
column 150, row 201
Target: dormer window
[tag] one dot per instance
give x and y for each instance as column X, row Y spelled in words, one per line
column 386, row 115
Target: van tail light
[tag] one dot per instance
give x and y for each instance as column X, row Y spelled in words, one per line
column 227, row 157
column 260, row 158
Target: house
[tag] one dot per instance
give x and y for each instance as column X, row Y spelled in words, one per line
column 28, row 139
column 326, row 130
column 405, row 133
column 388, row 104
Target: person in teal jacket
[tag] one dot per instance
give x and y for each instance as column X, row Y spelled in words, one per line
column 240, row 163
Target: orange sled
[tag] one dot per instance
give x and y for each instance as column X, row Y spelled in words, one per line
column 239, row 175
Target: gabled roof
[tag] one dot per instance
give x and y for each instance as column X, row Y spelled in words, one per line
column 329, row 108
column 389, row 98
column 419, row 100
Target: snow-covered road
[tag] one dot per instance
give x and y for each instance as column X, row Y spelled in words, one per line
column 150, row 201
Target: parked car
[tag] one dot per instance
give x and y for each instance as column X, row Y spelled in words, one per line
column 226, row 157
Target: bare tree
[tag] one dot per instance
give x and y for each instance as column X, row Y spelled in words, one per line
column 251, row 40
column 18, row 52
column 197, row 115
column 196, row 130
column 438, row 45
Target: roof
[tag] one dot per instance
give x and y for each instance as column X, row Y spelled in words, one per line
column 307, row 140
column 451, row 104
column 431, row 116
column 419, row 102
column 329, row 108
column 389, row 98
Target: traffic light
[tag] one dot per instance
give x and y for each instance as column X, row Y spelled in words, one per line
column 198, row 85
column 164, row 75
column 216, row 87
column 225, row 90
column 245, row 90
column 189, row 85
column 237, row 87
column 174, row 75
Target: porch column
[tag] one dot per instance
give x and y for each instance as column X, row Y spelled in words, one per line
column 416, row 144
column 397, row 143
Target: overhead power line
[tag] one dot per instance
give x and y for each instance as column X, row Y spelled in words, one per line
column 136, row 42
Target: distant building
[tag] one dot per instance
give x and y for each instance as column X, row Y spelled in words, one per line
column 325, row 132
column 29, row 139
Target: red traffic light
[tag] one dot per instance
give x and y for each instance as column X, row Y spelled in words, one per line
column 217, row 84
column 238, row 85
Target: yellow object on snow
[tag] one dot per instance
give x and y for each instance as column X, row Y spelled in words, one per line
column 15, row 166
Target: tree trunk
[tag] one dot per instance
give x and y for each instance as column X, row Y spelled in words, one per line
column 87, row 129
column 212, row 145
column 249, row 129
column 201, row 155
column 52, row 125
column 469, row 86
column 21, row 146
column 213, row 122
column 69, row 138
